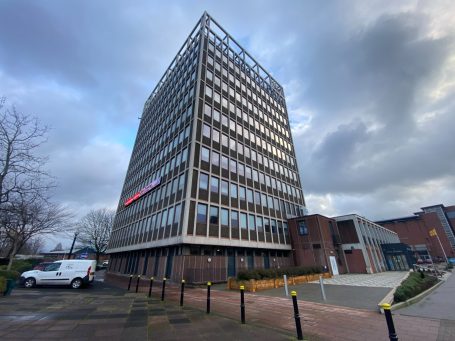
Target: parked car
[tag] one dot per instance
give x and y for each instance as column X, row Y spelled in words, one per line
column 106, row 263
column 72, row 272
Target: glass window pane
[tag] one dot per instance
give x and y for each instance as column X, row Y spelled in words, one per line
column 213, row 215
column 214, row 184
column 203, row 181
column 205, row 154
column 201, row 214
column 224, row 217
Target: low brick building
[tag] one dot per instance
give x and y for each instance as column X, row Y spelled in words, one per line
column 316, row 241
column 415, row 231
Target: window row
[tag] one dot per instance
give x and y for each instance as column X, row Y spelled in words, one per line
column 230, row 164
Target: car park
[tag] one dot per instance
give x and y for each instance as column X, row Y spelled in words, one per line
column 74, row 272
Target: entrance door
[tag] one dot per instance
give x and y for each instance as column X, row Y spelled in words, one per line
column 334, row 265
column 231, row 263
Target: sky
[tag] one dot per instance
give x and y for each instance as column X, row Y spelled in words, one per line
column 369, row 85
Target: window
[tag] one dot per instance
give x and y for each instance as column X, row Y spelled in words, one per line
column 259, row 224
column 303, row 229
column 242, row 193
column 224, row 217
column 215, row 158
column 234, row 191
column 208, row 91
column 216, row 115
column 234, row 219
column 201, row 214
column 203, row 181
column 232, row 144
column 214, row 184
column 224, row 188
column 243, row 221
column 249, row 194
column 205, row 154
column 181, row 182
column 224, row 162
column 233, row 166
column 251, row 223
column 257, row 198
column 177, row 213
column 225, row 140
column 206, row 131
column 213, row 215
column 207, row 110
column 216, row 136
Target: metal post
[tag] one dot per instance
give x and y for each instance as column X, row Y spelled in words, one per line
column 72, row 245
column 242, row 303
column 390, row 326
column 163, row 289
column 151, row 285
column 129, row 283
column 137, row 282
column 209, row 284
column 298, row 325
column 321, row 282
column 286, row 291
column 182, row 290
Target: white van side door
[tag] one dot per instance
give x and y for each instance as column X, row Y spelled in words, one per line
column 51, row 274
column 67, row 272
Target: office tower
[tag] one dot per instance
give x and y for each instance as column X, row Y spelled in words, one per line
column 213, row 175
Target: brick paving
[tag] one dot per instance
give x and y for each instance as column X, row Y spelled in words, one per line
column 106, row 312
column 319, row 321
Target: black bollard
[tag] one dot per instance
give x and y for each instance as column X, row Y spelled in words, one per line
column 298, row 326
column 242, row 304
column 137, row 282
column 209, row 284
column 129, row 283
column 182, row 290
column 163, row 289
column 388, row 317
column 151, row 285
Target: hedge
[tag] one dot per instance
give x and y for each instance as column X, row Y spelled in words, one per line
column 246, row 275
column 413, row 285
column 10, row 274
column 22, row 265
column 2, row 285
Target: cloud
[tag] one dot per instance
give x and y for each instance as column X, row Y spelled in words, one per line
column 369, row 88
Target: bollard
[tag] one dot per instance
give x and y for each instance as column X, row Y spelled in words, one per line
column 242, row 303
column 137, row 282
column 129, row 283
column 209, row 284
column 182, row 289
column 298, row 326
column 321, row 283
column 388, row 317
column 151, row 285
column 163, row 289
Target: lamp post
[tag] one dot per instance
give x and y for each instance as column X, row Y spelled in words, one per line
column 72, row 245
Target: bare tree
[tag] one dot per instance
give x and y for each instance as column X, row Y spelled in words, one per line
column 28, row 216
column 94, row 230
column 33, row 246
column 21, row 168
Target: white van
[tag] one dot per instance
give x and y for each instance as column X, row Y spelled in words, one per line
column 72, row 272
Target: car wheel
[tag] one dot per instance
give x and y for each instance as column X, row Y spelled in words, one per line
column 29, row 282
column 76, row 283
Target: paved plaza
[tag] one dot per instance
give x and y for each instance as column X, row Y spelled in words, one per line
column 388, row 279
column 108, row 313
column 114, row 313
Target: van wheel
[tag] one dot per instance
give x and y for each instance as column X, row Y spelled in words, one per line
column 76, row 283
column 29, row 282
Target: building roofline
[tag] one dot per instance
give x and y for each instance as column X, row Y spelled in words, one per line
column 414, row 217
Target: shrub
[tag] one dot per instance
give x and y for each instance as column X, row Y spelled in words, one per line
column 412, row 286
column 246, row 275
column 2, row 285
column 22, row 265
column 10, row 274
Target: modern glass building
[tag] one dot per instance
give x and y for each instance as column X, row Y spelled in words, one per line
column 213, row 175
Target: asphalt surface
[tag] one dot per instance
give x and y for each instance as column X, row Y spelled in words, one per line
column 440, row 304
column 340, row 295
